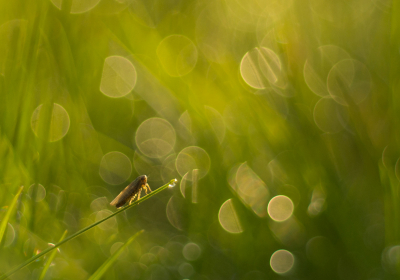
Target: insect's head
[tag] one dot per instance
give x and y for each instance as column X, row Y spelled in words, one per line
column 143, row 179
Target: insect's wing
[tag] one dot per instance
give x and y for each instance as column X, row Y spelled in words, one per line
column 127, row 193
column 122, row 198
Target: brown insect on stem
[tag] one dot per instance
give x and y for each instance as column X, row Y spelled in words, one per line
column 132, row 191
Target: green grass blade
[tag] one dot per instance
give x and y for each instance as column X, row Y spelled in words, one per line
column 51, row 258
column 106, row 265
column 170, row 183
column 4, row 222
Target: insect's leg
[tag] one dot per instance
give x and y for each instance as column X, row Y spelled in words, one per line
column 140, row 190
column 147, row 187
column 133, row 197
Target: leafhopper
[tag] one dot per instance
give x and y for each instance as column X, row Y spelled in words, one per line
column 132, row 191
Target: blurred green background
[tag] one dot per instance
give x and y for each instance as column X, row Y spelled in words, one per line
column 279, row 118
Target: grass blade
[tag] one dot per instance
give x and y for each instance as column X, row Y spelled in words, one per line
column 51, row 258
column 170, row 183
column 106, row 265
column 4, row 222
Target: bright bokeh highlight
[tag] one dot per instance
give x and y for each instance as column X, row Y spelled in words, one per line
column 177, row 54
column 280, row 208
column 115, row 168
column 318, row 65
column 261, row 67
column 349, row 82
column 118, row 78
column 155, row 137
column 50, row 123
column 192, row 158
column 250, row 188
column 281, row 261
column 228, row 218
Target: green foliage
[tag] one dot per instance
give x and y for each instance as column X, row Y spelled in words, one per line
column 279, row 118
column 4, row 221
column 62, row 241
column 50, row 259
column 109, row 262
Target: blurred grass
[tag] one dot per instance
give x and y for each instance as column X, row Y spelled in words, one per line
column 4, row 221
column 62, row 241
column 50, row 259
column 108, row 263
column 265, row 127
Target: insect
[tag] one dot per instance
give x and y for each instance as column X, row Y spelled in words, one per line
column 131, row 191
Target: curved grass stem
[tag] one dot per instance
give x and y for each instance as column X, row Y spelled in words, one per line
column 44, row 252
